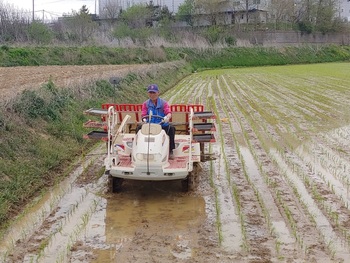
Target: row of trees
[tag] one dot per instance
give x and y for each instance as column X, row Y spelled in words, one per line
column 18, row 26
column 139, row 22
column 311, row 15
column 308, row 15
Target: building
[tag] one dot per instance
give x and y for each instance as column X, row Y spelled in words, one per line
column 265, row 8
column 109, row 6
column 344, row 10
column 173, row 5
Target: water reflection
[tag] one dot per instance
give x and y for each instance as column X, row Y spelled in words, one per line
column 152, row 207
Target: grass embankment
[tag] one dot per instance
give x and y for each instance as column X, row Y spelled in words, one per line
column 259, row 56
column 37, row 56
column 199, row 58
column 42, row 130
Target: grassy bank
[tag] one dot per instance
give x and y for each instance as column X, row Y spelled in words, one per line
column 252, row 57
column 42, row 130
column 37, row 56
column 198, row 58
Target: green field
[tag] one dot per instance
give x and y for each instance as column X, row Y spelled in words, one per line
column 283, row 151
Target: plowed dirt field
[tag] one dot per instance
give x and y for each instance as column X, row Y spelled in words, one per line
column 278, row 190
column 16, row 79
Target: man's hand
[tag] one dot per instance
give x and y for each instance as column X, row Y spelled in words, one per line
column 167, row 118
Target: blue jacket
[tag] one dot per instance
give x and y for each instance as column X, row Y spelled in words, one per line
column 162, row 109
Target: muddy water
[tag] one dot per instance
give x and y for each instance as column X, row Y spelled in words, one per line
column 89, row 225
column 336, row 244
column 230, row 228
column 37, row 212
column 155, row 208
column 278, row 226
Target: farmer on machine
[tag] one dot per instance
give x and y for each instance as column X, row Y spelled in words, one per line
column 161, row 108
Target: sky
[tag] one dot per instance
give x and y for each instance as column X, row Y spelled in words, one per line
column 52, row 8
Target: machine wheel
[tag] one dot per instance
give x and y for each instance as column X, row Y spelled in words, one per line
column 184, row 184
column 189, row 184
column 114, row 184
column 192, row 180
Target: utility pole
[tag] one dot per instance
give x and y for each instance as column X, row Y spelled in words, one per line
column 33, row 12
column 247, row 10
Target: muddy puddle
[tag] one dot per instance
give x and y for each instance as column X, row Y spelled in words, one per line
column 84, row 223
column 154, row 209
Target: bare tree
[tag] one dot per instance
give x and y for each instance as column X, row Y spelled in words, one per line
column 14, row 23
column 246, row 6
column 112, row 10
column 212, row 9
column 282, row 10
column 79, row 26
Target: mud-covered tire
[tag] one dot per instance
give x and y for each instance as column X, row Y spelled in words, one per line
column 114, row 184
column 184, row 184
column 189, row 184
column 192, row 180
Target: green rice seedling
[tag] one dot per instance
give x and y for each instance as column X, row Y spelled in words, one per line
column 260, row 200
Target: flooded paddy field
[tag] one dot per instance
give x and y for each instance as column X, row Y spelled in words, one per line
column 278, row 190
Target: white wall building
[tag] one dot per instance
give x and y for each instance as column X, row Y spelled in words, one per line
column 173, row 5
column 344, row 9
column 252, row 4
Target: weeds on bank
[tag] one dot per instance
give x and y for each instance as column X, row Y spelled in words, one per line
column 43, row 129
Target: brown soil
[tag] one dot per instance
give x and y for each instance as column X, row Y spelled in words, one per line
column 16, row 79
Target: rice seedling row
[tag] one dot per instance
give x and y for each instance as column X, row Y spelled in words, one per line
column 265, row 118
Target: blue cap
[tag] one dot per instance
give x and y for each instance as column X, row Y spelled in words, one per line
column 153, row 88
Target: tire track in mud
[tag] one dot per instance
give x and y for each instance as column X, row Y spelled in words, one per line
column 144, row 223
